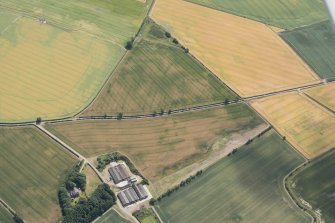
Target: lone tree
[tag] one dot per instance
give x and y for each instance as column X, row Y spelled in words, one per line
column 119, row 116
column 129, row 44
column 38, row 120
column 17, row 219
column 168, row 35
column 175, row 41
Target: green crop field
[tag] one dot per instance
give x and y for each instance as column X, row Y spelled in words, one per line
column 5, row 216
column 316, row 185
column 112, row 217
column 286, row 14
column 316, row 45
column 5, row 20
column 244, row 187
column 31, row 170
column 116, row 20
column 161, row 146
column 157, row 74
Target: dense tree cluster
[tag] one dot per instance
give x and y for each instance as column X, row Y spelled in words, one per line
column 75, row 179
column 104, row 160
column 87, row 209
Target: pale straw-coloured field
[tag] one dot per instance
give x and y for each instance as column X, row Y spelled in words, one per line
column 249, row 56
column 305, row 124
column 324, row 95
column 48, row 72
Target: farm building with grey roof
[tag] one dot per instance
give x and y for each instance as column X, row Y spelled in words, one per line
column 132, row 194
column 118, row 173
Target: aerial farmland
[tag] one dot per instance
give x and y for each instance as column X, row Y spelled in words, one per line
column 325, row 95
column 250, row 65
column 301, row 121
column 167, row 111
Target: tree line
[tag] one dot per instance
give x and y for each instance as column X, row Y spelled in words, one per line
column 182, row 184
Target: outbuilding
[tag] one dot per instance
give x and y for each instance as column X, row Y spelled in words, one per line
column 118, row 173
column 140, row 191
column 128, row 197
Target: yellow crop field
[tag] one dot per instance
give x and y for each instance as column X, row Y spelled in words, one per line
column 247, row 55
column 48, row 72
column 324, row 95
column 305, row 124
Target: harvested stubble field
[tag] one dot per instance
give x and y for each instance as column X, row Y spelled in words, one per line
column 5, row 216
column 247, row 55
column 244, row 187
column 157, row 74
column 286, row 14
column 305, row 124
column 159, row 146
column 316, row 45
column 316, row 185
column 115, row 20
column 324, row 95
column 92, row 180
column 50, row 73
column 31, row 169
column 112, row 217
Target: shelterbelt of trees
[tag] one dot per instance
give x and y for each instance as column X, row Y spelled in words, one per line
column 87, row 209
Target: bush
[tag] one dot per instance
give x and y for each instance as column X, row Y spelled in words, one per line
column 175, row 41
column 145, row 182
column 17, row 219
column 129, row 45
column 38, row 120
column 119, row 116
column 168, row 35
